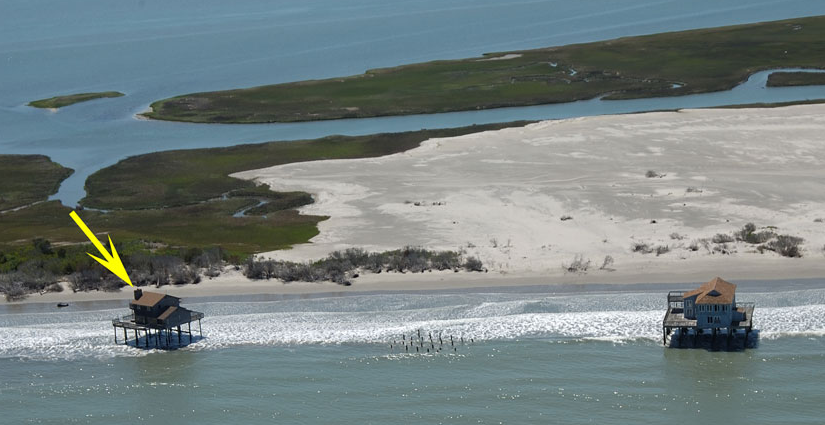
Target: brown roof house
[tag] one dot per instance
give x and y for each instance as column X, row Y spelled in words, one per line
column 156, row 316
column 712, row 305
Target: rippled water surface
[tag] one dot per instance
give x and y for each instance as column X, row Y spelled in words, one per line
column 573, row 355
column 589, row 354
column 152, row 49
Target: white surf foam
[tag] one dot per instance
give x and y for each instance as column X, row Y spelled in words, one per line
column 384, row 318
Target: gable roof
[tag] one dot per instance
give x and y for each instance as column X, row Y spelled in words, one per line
column 165, row 315
column 717, row 291
column 149, row 299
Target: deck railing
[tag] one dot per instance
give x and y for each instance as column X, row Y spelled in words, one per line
column 128, row 318
column 675, row 296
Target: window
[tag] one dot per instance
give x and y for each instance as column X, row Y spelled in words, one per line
column 716, row 307
column 710, row 319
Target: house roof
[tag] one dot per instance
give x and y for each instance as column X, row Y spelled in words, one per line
column 149, row 299
column 717, row 291
column 165, row 315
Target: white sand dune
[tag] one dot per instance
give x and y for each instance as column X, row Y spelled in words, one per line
column 501, row 195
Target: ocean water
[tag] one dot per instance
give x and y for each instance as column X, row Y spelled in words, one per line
column 580, row 354
column 549, row 354
column 152, row 49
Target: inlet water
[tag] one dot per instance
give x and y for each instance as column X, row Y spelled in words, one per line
column 151, row 49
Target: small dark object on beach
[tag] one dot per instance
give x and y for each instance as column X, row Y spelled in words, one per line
column 62, row 304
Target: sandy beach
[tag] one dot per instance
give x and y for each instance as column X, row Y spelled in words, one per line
column 528, row 201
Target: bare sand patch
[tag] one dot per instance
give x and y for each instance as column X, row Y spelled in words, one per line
column 502, row 195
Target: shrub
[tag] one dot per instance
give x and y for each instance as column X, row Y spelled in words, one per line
column 722, row 238
column 749, row 234
column 675, row 236
column 651, row 174
column 662, row 249
column 608, row 261
column 473, row 264
column 339, row 266
column 641, row 247
column 578, row 265
column 786, row 246
column 11, row 289
column 43, row 246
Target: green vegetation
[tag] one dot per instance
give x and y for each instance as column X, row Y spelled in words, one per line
column 785, row 79
column 342, row 266
column 770, row 105
column 666, row 64
column 184, row 177
column 166, row 205
column 40, row 266
column 71, row 99
column 25, row 179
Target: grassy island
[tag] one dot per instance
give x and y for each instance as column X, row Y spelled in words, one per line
column 71, row 99
column 26, row 179
column 185, row 198
column 787, row 79
column 668, row 64
column 175, row 214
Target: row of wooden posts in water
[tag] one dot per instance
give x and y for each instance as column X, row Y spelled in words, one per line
column 418, row 343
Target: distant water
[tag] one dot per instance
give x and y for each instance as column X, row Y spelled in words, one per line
column 585, row 354
column 152, row 49
column 570, row 355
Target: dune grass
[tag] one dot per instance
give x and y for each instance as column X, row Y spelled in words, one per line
column 61, row 101
column 667, row 64
column 25, row 179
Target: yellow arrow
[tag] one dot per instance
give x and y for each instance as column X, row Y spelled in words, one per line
column 111, row 262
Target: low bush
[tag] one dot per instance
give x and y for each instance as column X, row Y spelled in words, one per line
column 749, row 234
column 340, row 266
column 722, row 238
column 786, row 246
column 578, row 265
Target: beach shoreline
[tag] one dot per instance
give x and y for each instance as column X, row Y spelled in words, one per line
column 233, row 283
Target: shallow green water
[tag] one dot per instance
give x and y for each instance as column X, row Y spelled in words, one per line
column 550, row 354
column 536, row 380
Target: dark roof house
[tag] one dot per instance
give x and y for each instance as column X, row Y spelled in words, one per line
column 158, row 313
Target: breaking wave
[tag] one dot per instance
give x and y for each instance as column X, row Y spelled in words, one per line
column 383, row 318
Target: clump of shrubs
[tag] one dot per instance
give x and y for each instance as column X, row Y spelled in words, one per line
column 749, row 234
column 784, row 245
column 11, row 289
column 641, row 247
column 644, row 248
column 722, row 238
column 578, row 265
column 341, row 266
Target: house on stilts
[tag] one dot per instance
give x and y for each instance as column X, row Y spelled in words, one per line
column 157, row 317
column 711, row 307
